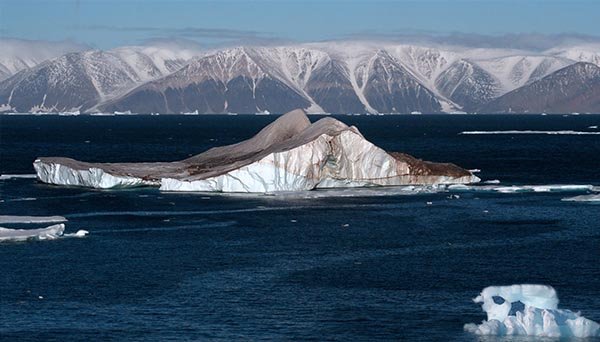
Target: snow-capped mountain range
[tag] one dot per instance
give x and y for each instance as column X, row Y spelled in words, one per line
column 328, row 77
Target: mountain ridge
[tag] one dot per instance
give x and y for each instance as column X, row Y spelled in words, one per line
column 347, row 77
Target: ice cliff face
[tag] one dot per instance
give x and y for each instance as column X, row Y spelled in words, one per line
column 530, row 310
column 290, row 154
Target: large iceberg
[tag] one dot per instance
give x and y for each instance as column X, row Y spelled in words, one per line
column 290, row 154
column 530, row 310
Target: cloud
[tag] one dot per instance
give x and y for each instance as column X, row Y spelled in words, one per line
column 192, row 32
column 520, row 41
column 43, row 49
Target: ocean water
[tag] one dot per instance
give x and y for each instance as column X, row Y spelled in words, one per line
column 376, row 264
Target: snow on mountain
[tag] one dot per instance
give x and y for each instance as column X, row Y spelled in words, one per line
column 325, row 77
column 467, row 84
column 19, row 54
column 239, row 80
column 515, row 71
column 78, row 81
column 589, row 53
column 575, row 88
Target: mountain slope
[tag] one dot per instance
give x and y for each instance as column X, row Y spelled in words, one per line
column 20, row 54
column 328, row 77
column 467, row 84
column 575, row 88
column 78, row 81
column 233, row 81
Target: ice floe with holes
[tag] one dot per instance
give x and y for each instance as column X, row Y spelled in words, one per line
column 529, row 310
column 48, row 233
column 564, row 132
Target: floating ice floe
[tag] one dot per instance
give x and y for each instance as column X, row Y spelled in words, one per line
column 5, row 177
column 529, row 310
column 30, row 219
column 290, row 154
column 49, row 233
column 523, row 188
column 584, row 198
column 566, row 132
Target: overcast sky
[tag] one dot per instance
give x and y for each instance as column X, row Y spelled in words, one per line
column 110, row 23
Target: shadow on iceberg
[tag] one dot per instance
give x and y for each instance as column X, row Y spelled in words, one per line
column 290, row 154
column 529, row 310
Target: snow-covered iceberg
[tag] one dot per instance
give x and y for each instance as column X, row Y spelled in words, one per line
column 530, row 310
column 290, row 154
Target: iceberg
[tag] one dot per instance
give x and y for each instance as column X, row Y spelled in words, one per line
column 290, row 154
column 529, row 310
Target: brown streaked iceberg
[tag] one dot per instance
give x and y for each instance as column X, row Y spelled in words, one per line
column 290, row 154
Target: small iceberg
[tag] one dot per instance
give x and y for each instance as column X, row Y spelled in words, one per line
column 529, row 310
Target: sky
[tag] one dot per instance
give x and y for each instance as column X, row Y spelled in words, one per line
column 109, row 23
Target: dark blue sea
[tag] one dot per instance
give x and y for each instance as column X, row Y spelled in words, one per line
column 345, row 266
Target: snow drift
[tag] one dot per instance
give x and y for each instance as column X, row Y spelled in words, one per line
column 530, row 310
column 290, row 154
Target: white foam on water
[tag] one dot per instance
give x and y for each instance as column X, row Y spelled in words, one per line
column 492, row 181
column 30, row 219
column 584, row 198
column 538, row 315
column 23, row 199
column 5, row 177
column 566, row 132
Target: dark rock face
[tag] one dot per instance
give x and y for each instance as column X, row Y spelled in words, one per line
column 467, row 84
column 331, row 89
column 240, row 95
column 575, row 88
column 391, row 89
